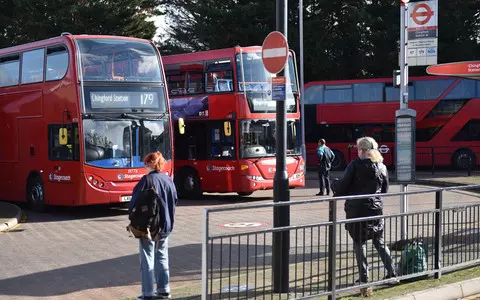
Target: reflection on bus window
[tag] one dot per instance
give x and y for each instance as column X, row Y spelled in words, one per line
column 257, row 138
column 57, row 62
column 119, row 60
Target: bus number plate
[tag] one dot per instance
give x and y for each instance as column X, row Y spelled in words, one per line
column 126, row 198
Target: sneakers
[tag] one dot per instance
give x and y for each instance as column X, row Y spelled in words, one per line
column 157, row 296
column 319, row 194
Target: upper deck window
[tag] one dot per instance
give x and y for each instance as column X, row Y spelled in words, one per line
column 9, row 70
column 32, row 66
column 119, row 60
column 57, row 62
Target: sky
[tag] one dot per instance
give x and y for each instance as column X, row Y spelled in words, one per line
column 160, row 24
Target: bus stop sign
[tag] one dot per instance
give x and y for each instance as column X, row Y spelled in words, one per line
column 274, row 52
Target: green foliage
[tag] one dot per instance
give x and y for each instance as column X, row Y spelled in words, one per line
column 343, row 39
column 30, row 20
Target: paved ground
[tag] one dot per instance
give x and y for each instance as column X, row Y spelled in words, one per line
column 85, row 253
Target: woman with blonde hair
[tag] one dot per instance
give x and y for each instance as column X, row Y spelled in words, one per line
column 363, row 176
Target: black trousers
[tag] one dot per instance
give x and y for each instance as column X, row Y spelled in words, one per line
column 324, row 180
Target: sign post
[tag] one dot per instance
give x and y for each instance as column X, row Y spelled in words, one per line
column 274, row 56
column 423, row 33
column 404, row 150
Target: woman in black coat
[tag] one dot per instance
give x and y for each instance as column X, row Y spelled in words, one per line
column 366, row 175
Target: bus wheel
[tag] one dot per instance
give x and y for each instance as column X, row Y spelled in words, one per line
column 338, row 163
column 462, row 158
column 188, row 184
column 35, row 194
column 244, row 194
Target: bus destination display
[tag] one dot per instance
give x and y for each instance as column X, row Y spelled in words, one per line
column 112, row 99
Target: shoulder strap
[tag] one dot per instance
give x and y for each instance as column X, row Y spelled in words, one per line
column 149, row 181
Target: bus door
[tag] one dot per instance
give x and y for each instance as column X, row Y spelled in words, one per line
column 221, row 165
column 64, row 170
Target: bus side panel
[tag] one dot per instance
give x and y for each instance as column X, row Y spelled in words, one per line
column 22, row 113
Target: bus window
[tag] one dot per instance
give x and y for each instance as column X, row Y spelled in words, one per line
column 221, row 145
column 176, row 84
column 32, row 66
column 63, row 150
column 469, row 132
column 9, row 70
column 57, row 63
column 195, row 83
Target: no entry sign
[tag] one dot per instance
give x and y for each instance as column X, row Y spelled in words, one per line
column 274, row 52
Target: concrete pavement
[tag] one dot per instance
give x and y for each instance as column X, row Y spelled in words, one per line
column 10, row 215
column 125, row 260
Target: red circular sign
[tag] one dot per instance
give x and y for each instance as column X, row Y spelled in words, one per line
column 274, row 52
column 421, row 14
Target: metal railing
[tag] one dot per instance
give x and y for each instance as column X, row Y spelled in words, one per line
column 238, row 263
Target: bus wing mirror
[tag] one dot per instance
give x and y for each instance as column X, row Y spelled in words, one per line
column 227, row 128
column 62, row 136
column 181, row 126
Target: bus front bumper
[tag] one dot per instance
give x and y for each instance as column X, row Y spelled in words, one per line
column 256, row 183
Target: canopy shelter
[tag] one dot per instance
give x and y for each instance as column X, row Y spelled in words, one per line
column 463, row 69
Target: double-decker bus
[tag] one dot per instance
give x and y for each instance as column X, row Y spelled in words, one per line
column 77, row 115
column 447, row 128
column 228, row 143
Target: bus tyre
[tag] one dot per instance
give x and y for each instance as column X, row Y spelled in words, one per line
column 244, row 194
column 462, row 158
column 35, row 194
column 338, row 163
column 188, row 184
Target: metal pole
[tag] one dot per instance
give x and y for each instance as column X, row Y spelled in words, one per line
column 302, row 82
column 205, row 256
column 404, row 95
column 281, row 192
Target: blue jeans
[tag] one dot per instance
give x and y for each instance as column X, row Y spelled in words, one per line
column 154, row 265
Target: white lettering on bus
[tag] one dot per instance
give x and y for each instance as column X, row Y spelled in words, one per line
column 55, row 177
column 220, row 168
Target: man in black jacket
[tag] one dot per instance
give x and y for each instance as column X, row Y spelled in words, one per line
column 325, row 158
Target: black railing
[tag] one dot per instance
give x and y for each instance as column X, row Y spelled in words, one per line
column 322, row 261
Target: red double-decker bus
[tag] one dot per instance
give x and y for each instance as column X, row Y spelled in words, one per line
column 228, row 145
column 448, row 118
column 77, row 115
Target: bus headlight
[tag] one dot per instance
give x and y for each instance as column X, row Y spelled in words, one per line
column 258, row 178
column 296, row 176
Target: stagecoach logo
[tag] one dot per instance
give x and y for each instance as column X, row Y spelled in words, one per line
column 129, row 176
column 214, row 168
column 54, row 177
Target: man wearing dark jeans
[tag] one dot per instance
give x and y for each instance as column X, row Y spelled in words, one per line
column 325, row 158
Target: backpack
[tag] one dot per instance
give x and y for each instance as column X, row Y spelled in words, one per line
column 413, row 259
column 145, row 217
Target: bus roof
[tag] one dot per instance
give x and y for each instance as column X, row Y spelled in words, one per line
column 372, row 80
column 62, row 39
column 208, row 55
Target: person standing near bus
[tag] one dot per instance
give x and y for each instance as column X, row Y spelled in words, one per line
column 366, row 175
column 154, row 253
column 325, row 158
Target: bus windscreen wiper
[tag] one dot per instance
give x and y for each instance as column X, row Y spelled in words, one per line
column 135, row 117
column 96, row 117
